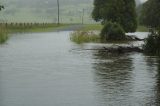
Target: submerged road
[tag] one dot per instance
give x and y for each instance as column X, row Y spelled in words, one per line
column 47, row 69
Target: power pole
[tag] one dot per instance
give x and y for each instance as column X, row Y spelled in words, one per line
column 83, row 16
column 58, row 12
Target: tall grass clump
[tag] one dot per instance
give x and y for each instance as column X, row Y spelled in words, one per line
column 3, row 34
column 152, row 43
column 84, row 37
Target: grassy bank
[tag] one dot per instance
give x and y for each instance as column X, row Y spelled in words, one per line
column 6, row 28
column 89, row 27
column 3, row 34
column 31, row 27
column 86, row 34
column 84, row 37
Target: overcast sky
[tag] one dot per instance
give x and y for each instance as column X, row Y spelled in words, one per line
column 143, row 0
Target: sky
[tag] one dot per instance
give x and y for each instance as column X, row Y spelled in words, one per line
column 143, row 0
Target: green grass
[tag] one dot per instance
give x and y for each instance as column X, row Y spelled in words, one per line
column 142, row 29
column 84, row 37
column 92, row 27
column 16, row 28
column 35, row 28
column 80, row 37
column 3, row 35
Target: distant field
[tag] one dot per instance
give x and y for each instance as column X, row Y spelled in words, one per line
column 88, row 27
column 92, row 27
column 68, row 14
column 31, row 27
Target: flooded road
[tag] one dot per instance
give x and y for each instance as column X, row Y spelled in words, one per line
column 47, row 69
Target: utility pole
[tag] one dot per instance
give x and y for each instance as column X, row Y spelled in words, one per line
column 58, row 11
column 83, row 16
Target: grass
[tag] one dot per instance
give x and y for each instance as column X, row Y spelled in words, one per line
column 92, row 27
column 3, row 35
column 142, row 29
column 84, row 37
column 87, row 35
column 80, row 37
column 35, row 28
column 6, row 28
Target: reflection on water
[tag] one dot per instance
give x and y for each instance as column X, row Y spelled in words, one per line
column 127, row 79
column 155, row 62
column 46, row 69
column 157, row 88
column 112, row 75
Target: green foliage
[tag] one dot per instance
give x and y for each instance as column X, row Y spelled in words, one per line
column 150, row 13
column 150, row 17
column 84, row 37
column 119, row 11
column 112, row 31
column 142, row 28
column 98, row 9
column 152, row 44
column 1, row 7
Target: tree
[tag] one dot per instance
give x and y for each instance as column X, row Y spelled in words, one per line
column 122, row 12
column 1, row 7
column 150, row 17
column 150, row 13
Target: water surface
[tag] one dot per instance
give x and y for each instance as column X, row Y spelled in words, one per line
column 47, row 69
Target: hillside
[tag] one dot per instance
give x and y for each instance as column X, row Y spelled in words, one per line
column 46, row 10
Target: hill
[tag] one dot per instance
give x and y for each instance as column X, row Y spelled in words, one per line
column 46, row 11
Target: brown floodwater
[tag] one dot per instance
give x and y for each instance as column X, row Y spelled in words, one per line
column 47, row 69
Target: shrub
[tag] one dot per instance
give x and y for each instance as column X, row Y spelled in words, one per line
column 112, row 31
column 152, row 44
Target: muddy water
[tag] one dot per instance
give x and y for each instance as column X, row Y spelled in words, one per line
column 47, row 69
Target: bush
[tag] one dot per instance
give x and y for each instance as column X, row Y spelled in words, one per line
column 112, row 31
column 152, row 44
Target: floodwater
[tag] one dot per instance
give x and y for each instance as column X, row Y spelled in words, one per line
column 47, row 69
